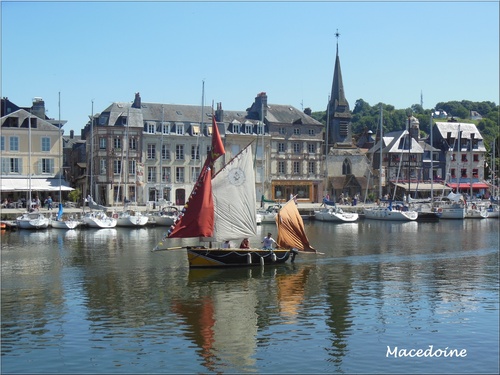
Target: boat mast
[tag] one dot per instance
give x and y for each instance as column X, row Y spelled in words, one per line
column 60, row 153
column 161, row 152
column 432, row 160
column 381, row 148
column 91, row 151
column 326, row 145
column 29, row 161
column 263, row 157
column 409, row 157
column 470, row 164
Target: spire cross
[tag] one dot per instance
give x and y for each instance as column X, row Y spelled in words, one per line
column 337, row 34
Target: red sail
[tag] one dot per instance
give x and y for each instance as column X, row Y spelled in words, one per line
column 197, row 217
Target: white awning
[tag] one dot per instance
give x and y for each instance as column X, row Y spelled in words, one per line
column 37, row 184
column 423, row 186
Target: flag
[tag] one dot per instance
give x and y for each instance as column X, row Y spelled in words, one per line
column 217, row 146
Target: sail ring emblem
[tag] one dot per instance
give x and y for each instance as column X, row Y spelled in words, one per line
column 236, row 176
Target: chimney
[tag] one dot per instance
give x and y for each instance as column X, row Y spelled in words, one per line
column 71, row 134
column 219, row 113
column 137, row 101
column 38, row 107
column 261, row 105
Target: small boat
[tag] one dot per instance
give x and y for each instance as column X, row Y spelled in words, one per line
column 399, row 212
column 473, row 211
column 32, row 220
column 98, row 219
column 493, row 211
column 267, row 215
column 62, row 222
column 451, row 207
column 166, row 217
column 334, row 213
column 222, row 208
column 131, row 218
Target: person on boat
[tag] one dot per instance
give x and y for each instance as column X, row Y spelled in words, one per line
column 245, row 244
column 268, row 242
column 226, row 245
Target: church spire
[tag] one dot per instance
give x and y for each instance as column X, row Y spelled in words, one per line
column 339, row 114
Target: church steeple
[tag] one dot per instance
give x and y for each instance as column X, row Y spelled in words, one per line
column 339, row 114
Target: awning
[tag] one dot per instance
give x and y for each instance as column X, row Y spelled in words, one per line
column 465, row 185
column 37, row 184
column 422, row 186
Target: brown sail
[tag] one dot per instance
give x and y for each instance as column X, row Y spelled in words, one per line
column 291, row 233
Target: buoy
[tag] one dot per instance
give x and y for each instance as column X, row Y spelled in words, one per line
column 249, row 258
column 261, row 261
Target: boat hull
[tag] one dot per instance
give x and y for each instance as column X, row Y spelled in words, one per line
column 64, row 224
column 132, row 221
column 32, row 221
column 384, row 213
column 99, row 221
column 337, row 217
column 201, row 257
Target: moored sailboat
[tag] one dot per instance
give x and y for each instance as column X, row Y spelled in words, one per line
column 334, row 213
column 223, row 208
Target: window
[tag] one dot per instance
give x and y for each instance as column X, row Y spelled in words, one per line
column 165, row 152
column 150, row 128
column 311, row 167
column 453, row 173
column 248, row 128
column 179, row 152
column 151, row 151
column 132, row 143
column 296, row 131
column 195, row 129
column 464, row 157
column 195, row 152
column 282, row 131
column 296, row 167
column 195, row 172
column 117, row 166
column 117, row 143
column 236, row 128
column 475, row 157
column 281, row 147
column 102, row 166
column 344, row 128
column 165, row 128
column 102, row 143
column 453, row 158
column 14, row 143
column 165, row 175
column 179, row 129
column 179, row 174
column 45, row 144
column 475, row 173
column 281, row 167
column 47, row 166
column 151, row 174
column 346, row 167
column 132, row 167
column 311, row 148
column 312, row 132
column 463, row 172
column 15, row 165
column 260, row 129
column 296, row 148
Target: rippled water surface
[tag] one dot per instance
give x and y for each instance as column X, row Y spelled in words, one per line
column 99, row 301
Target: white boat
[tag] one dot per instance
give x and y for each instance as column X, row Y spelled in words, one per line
column 32, row 220
column 131, row 218
column 267, row 215
column 334, row 213
column 474, row 211
column 62, row 222
column 98, row 219
column 166, row 217
column 451, row 207
column 493, row 211
column 390, row 213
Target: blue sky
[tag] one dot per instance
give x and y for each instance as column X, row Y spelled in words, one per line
column 104, row 52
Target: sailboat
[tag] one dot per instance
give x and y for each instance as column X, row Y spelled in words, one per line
column 31, row 219
column 61, row 222
column 223, row 208
column 334, row 213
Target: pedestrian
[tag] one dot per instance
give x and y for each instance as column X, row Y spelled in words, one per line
column 268, row 242
column 48, row 202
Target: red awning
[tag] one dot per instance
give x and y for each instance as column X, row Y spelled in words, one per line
column 464, row 185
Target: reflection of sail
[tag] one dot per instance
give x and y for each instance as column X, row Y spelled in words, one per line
column 291, row 292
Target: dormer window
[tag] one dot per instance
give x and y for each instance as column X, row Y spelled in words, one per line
column 296, row 131
column 179, row 129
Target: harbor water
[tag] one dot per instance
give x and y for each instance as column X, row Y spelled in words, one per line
column 384, row 297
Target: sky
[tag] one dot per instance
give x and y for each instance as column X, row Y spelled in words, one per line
column 395, row 52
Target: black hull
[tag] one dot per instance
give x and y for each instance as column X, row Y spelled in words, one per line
column 200, row 257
